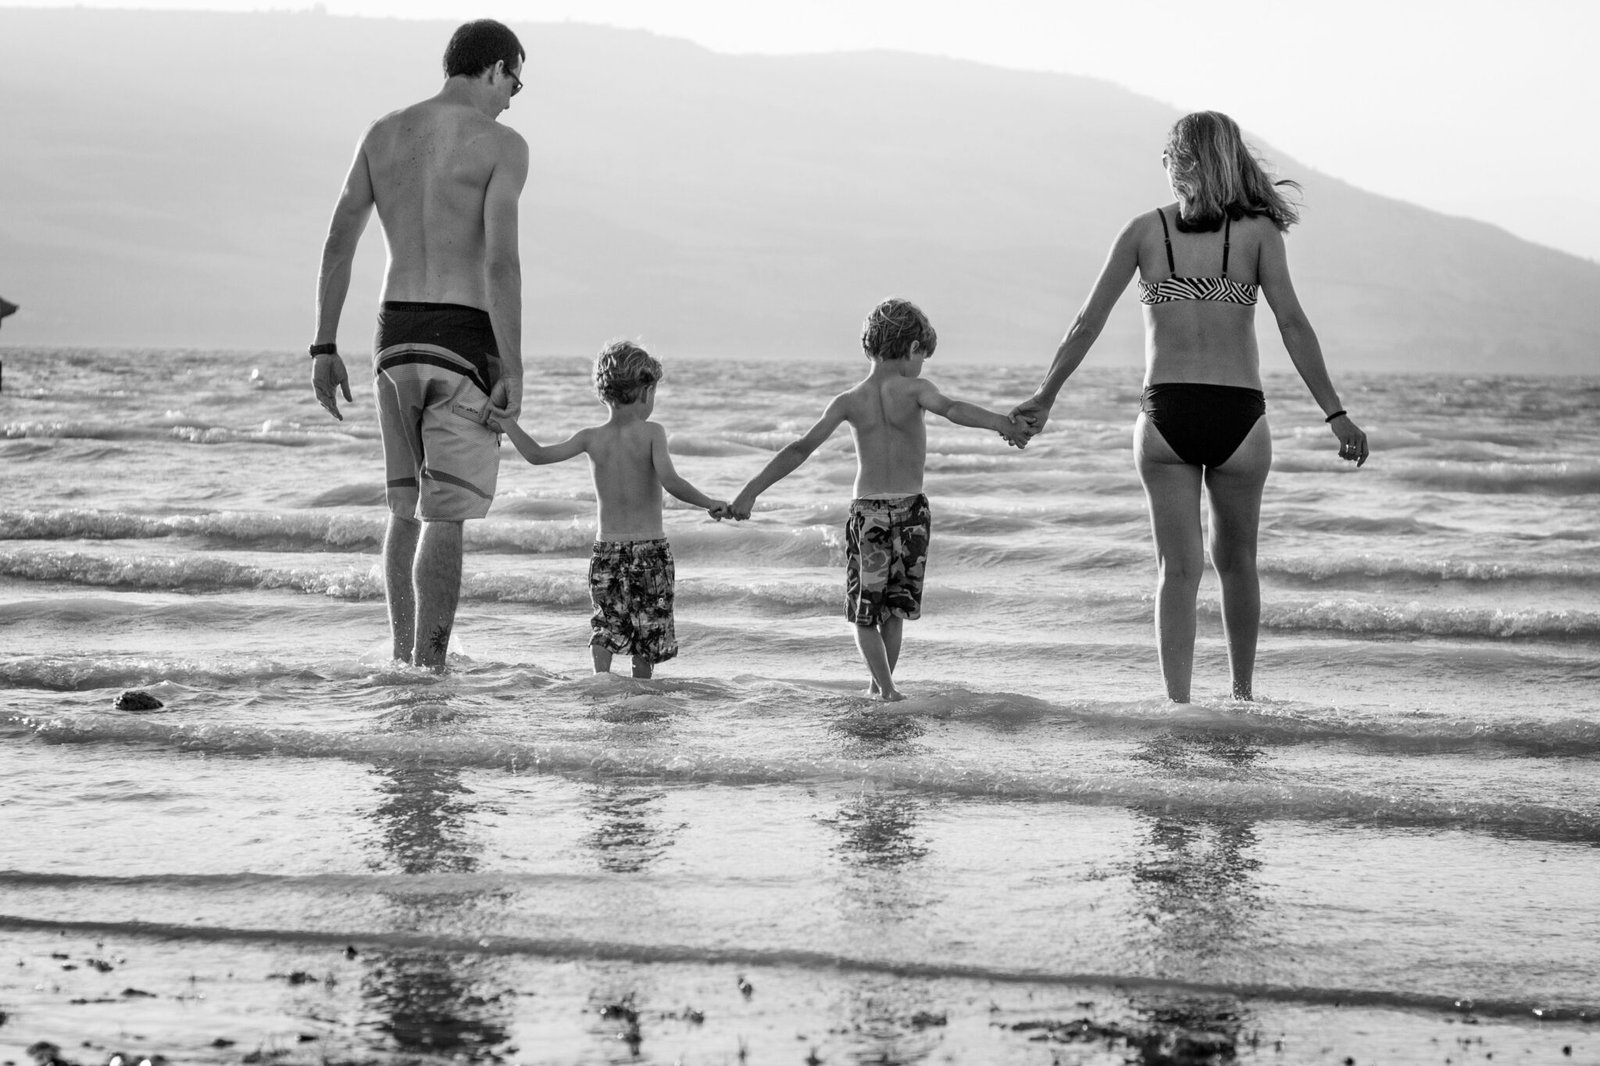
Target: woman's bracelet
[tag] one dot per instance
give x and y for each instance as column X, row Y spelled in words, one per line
column 1336, row 414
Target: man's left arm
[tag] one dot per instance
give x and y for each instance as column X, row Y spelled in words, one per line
column 349, row 221
column 503, row 267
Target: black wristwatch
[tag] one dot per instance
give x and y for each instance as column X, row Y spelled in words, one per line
column 324, row 349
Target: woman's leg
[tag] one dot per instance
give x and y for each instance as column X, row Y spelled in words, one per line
column 1172, row 488
column 1234, row 492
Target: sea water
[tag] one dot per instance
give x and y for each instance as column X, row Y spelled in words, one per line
column 310, row 854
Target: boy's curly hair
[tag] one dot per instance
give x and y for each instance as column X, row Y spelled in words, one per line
column 623, row 371
column 893, row 327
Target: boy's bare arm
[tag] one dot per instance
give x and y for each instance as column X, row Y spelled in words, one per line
column 672, row 481
column 788, row 460
column 963, row 413
column 540, row 454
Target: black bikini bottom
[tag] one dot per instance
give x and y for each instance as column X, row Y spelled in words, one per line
column 1204, row 424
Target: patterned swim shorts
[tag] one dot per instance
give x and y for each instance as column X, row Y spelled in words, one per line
column 886, row 555
column 432, row 372
column 630, row 585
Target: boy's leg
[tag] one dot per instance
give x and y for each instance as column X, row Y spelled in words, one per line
column 642, row 667
column 870, row 643
column 891, row 629
column 602, row 658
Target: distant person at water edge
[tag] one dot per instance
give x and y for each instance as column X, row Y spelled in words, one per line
column 7, row 308
column 631, row 574
column 886, row 535
column 445, row 177
column 1202, row 420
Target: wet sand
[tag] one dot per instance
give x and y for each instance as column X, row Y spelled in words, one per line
column 231, row 1001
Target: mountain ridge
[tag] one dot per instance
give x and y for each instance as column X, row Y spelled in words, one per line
column 176, row 193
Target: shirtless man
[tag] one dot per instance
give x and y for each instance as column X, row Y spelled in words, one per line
column 445, row 178
column 886, row 535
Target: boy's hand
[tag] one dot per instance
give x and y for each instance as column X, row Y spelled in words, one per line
column 1033, row 413
column 1016, row 433
column 723, row 509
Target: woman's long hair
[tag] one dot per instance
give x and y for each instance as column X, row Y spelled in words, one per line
column 1214, row 173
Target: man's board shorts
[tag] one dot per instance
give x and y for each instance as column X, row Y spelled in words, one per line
column 630, row 585
column 886, row 555
column 433, row 367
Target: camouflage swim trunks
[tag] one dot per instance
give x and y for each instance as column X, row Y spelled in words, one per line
column 630, row 585
column 886, row 554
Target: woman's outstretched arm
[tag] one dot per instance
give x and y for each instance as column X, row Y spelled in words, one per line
column 1086, row 326
column 1305, row 351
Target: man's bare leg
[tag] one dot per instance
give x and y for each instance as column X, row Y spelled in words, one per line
column 436, row 576
column 399, row 555
column 870, row 642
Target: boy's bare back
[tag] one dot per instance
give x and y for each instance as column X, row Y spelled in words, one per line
column 885, row 414
column 627, row 486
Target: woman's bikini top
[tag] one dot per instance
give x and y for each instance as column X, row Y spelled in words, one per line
column 1173, row 288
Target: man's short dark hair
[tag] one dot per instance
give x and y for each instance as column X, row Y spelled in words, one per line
column 893, row 327
column 476, row 46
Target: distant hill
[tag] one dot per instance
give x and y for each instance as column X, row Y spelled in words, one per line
column 168, row 176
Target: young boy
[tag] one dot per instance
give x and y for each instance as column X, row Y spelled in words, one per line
column 886, row 536
column 630, row 573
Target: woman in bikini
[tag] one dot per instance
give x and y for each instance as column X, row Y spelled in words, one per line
column 1202, row 420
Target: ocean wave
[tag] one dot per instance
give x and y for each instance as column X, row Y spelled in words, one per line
column 175, row 426
column 1430, row 567
column 261, row 529
column 719, row 446
column 1415, row 619
column 1576, row 477
column 1274, row 799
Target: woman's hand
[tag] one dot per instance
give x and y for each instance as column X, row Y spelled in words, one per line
column 1352, row 441
column 1033, row 413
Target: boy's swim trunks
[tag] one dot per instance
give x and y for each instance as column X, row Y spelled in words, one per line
column 630, row 584
column 886, row 554
column 433, row 367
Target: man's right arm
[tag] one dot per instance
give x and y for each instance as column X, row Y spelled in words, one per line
column 503, row 267
column 350, row 217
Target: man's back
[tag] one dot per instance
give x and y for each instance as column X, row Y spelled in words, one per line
column 431, row 165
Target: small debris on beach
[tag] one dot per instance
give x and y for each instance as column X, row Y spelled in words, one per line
column 137, row 700
column 745, row 987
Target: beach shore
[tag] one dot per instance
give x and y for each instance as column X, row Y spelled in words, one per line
column 284, row 1001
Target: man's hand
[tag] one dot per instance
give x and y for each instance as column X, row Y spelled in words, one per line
column 505, row 400
column 328, row 374
column 741, row 506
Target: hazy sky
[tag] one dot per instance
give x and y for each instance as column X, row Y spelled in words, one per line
column 1480, row 108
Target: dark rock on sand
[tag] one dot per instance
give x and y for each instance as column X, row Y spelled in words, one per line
column 135, row 700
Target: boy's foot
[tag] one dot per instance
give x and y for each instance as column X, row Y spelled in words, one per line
column 892, row 696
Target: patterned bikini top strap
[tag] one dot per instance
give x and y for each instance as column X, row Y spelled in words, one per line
column 1166, row 236
column 1227, row 231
